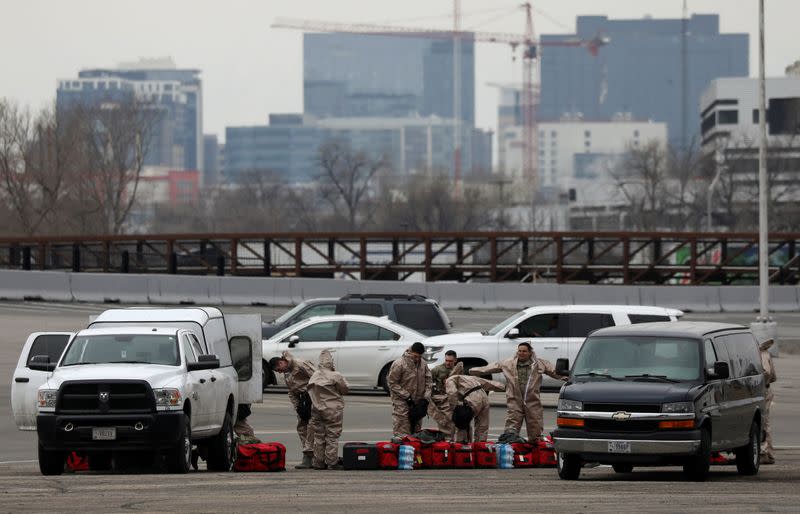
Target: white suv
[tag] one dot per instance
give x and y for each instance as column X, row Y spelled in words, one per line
column 363, row 346
column 554, row 331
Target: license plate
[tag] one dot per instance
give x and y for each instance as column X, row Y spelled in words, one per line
column 104, row 433
column 619, row 447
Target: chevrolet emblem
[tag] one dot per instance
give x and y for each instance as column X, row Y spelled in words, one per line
column 621, row 416
column 104, row 395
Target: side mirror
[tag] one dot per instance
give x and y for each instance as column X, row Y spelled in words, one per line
column 204, row 362
column 41, row 363
column 513, row 333
column 721, row 370
column 562, row 367
column 293, row 340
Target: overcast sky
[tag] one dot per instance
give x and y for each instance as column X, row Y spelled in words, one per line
column 250, row 70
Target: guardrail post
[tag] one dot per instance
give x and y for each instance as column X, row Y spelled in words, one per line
column 26, row 258
column 76, row 257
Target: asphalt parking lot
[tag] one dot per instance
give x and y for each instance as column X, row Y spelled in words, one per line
column 367, row 418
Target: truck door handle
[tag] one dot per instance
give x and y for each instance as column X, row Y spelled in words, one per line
column 551, row 347
column 213, row 379
column 22, row 379
column 202, row 380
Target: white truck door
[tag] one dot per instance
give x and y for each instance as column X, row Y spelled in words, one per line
column 244, row 340
column 26, row 381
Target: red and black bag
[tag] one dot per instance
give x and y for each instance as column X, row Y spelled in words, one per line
column 485, row 455
column 462, row 456
column 360, row 456
column 77, row 461
column 441, row 455
column 422, row 452
column 260, row 457
column 545, row 452
column 524, row 455
column 388, row 455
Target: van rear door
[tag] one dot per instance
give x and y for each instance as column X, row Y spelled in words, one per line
column 244, row 340
column 26, row 381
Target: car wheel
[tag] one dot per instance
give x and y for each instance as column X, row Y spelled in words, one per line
column 569, row 466
column 622, row 467
column 747, row 457
column 179, row 458
column 267, row 375
column 383, row 381
column 50, row 462
column 696, row 468
column 222, row 448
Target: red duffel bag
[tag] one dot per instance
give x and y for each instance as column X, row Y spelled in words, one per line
column 260, row 457
column 524, row 455
column 462, row 456
column 545, row 452
column 485, row 455
column 441, row 455
column 387, row 455
column 422, row 452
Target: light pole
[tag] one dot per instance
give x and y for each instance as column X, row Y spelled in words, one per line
column 718, row 159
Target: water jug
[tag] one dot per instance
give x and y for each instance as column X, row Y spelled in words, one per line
column 505, row 456
column 406, row 457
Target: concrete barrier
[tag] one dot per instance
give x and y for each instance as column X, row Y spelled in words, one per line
column 104, row 287
column 463, row 296
column 599, row 295
column 783, row 298
column 746, row 298
column 178, row 289
column 249, row 291
column 306, row 288
column 386, row 287
column 685, row 298
column 521, row 296
column 52, row 286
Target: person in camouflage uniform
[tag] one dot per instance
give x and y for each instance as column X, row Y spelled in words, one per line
column 439, row 408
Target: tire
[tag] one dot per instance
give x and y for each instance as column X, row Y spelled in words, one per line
column 50, row 462
column 696, row 467
column 622, row 467
column 267, row 375
column 100, row 461
column 179, row 458
column 383, row 381
column 747, row 457
column 569, row 466
column 222, row 447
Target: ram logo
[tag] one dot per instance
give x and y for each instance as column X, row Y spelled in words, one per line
column 621, row 416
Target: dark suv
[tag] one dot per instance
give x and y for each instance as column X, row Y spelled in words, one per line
column 661, row 394
column 414, row 311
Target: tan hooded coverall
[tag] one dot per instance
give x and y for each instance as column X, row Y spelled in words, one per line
column 327, row 388
column 407, row 379
column 439, row 407
column 457, row 385
column 523, row 401
column 767, row 451
column 297, row 375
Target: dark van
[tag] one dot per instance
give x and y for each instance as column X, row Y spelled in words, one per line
column 661, row 394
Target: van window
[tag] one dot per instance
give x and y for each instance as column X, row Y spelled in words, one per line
column 745, row 360
column 646, row 318
column 710, row 354
column 51, row 345
column 365, row 309
column 323, row 309
column 581, row 324
column 543, row 325
column 217, row 340
column 421, row 316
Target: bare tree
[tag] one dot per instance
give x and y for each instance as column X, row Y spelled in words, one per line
column 642, row 178
column 346, row 180
column 116, row 137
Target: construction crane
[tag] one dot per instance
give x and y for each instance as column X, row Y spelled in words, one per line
column 530, row 53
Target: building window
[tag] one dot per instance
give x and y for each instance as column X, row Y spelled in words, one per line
column 728, row 117
column 587, row 133
column 635, row 133
column 553, row 133
column 708, row 123
column 587, row 144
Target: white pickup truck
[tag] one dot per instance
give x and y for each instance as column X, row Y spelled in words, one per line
column 140, row 380
column 554, row 332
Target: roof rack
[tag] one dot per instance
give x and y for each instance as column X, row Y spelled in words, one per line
column 387, row 296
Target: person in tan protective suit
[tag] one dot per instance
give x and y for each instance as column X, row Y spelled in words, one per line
column 767, row 451
column 473, row 392
column 297, row 372
column 439, row 408
column 327, row 388
column 523, row 375
column 410, row 383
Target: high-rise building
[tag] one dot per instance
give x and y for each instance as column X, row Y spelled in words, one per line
column 356, row 75
column 645, row 70
column 212, row 173
column 177, row 140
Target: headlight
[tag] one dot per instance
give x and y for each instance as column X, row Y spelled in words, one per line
column 47, row 398
column 167, row 397
column 567, row 405
column 430, row 353
column 678, row 407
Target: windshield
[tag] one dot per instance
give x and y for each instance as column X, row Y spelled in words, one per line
column 113, row 348
column 500, row 326
column 639, row 357
column 288, row 315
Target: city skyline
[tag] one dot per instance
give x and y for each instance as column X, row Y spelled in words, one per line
column 250, row 70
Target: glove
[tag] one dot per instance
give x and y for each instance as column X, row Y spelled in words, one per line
column 410, row 401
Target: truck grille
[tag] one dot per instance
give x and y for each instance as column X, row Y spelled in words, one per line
column 105, row 397
column 615, row 407
column 630, row 426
